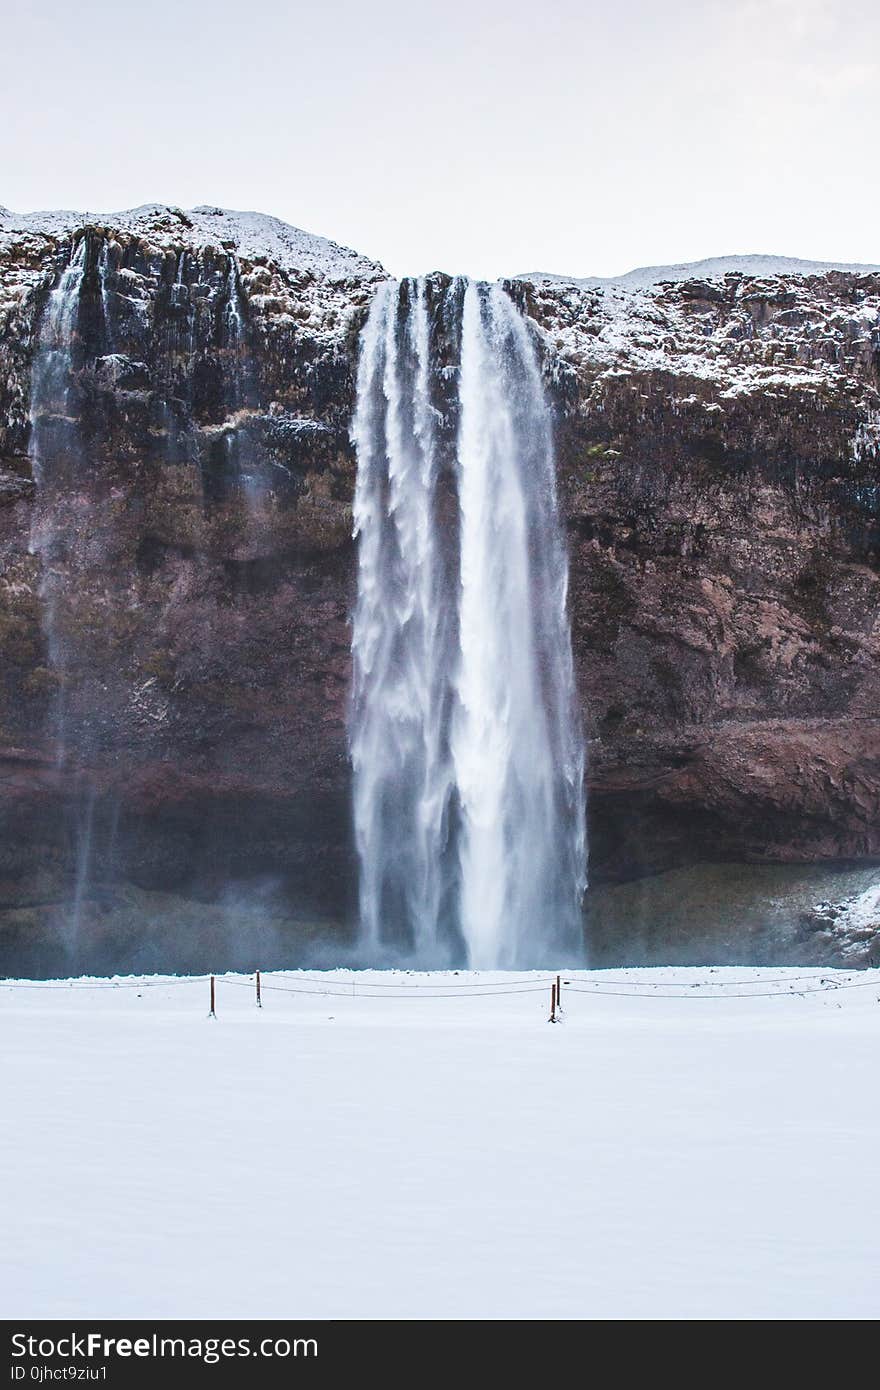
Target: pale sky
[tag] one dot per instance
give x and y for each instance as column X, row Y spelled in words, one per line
column 477, row 136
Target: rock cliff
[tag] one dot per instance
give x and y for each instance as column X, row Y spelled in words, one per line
column 176, row 572
column 719, row 443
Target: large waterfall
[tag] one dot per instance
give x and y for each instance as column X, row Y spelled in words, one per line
column 466, row 747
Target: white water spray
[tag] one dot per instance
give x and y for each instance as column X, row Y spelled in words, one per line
column 467, row 754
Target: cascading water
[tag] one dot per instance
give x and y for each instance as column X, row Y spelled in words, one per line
column 55, row 448
column 54, row 437
column 240, row 468
column 466, row 749
column 517, row 749
column 402, row 642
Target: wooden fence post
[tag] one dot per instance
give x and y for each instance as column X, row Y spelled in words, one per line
column 259, row 995
column 213, row 1013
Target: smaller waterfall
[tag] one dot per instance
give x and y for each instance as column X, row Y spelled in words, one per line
column 241, row 462
column 466, row 748
column 233, row 313
column 54, row 444
column 105, row 270
column 58, row 461
column 180, row 290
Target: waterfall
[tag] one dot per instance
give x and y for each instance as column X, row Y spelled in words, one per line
column 54, row 443
column 233, row 314
column 400, row 749
column 240, row 468
column 466, row 749
column 57, row 461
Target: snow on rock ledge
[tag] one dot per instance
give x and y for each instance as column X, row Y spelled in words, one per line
column 739, row 325
column 284, row 271
column 252, row 235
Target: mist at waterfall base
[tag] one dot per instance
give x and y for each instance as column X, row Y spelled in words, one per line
column 466, row 747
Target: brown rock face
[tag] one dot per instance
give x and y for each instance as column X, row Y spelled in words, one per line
column 177, row 568
column 719, row 468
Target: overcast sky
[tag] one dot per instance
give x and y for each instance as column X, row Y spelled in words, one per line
column 477, row 136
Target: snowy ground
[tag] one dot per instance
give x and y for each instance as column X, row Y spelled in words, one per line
column 434, row 1148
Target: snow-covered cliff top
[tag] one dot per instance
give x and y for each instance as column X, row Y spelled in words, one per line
column 251, row 235
column 287, row 275
column 741, row 324
column 646, row 275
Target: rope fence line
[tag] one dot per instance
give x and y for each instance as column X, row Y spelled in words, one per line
column 726, row 984
column 538, row 987
column 312, row 985
column 336, row 988
column 698, row 988
column 395, row 984
column 825, row 987
column 59, row 986
column 595, row 985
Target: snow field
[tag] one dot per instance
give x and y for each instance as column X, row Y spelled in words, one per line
column 383, row 1145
